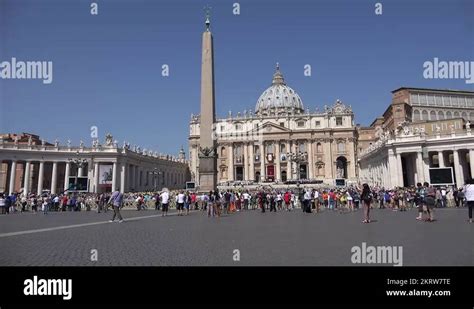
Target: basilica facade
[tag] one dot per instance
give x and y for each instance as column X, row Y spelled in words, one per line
column 281, row 141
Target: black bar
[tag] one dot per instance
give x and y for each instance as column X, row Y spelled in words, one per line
column 240, row 285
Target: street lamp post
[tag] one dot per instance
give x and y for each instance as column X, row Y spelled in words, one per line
column 79, row 162
column 297, row 157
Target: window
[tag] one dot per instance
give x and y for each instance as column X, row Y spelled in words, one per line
column 222, row 128
column 300, row 124
column 223, row 152
column 456, row 115
column 423, row 99
column 424, row 115
column 414, row 98
column 282, row 124
column 270, row 148
column 319, row 148
column 438, row 100
column 318, row 123
column 430, row 100
column 416, row 115
column 302, row 147
column 282, row 148
column 433, row 115
column 255, row 126
column 238, row 126
column 338, row 121
column 440, row 115
column 341, row 147
column 449, row 115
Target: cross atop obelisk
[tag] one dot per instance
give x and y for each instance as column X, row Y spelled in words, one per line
column 208, row 9
column 207, row 142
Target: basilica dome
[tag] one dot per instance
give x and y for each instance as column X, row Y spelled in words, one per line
column 278, row 98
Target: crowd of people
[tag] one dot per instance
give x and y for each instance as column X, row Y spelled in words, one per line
column 310, row 200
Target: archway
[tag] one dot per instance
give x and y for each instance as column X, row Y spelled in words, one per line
column 341, row 167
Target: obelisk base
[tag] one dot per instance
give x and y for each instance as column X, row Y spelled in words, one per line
column 207, row 174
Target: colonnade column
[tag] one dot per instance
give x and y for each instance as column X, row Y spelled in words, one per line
column 122, row 177
column 114, row 177
column 419, row 167
column 40, row 177
column 26, row 181
column 441, row 159
column 54, row 178
column 399, row 170
column 96, row 177
column 67, row 172
column 458, row 169
column 12, row 178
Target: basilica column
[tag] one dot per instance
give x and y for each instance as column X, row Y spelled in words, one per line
column 26, row 181
column 114, row 177
column 96, row 177
column 458, row 169
column 262, row 162
column 54, row 178
column 11, row 188
column 67, row 172
column 252, row 162
column 289, row 172
column 230, row 166
column 40, row 177
column 246, row 161
column 80, row 171
column 441, row 159
column 277, row 158
column 310, row 159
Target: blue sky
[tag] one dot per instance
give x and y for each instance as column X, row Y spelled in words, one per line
column 107, row 68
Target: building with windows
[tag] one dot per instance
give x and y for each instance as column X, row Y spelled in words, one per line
column 281, row 140
column 420, row 129
column 30, row 164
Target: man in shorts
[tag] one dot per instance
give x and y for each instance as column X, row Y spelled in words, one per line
column 165, row 199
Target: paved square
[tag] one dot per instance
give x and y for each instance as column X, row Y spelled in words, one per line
column 269, row 239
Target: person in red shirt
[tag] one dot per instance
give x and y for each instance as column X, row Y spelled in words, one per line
column 287, row 199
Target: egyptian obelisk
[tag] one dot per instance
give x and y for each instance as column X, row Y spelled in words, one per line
column 207, row 143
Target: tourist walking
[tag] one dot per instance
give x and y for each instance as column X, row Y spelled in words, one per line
column 430, row 201
column 165, row 199
column 469, row 196
column 116, row 201
column 2, row 204
column 366, row 198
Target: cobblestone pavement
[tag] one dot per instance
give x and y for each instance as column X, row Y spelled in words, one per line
column 284, row 238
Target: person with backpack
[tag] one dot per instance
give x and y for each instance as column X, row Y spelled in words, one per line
column 366, row 197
